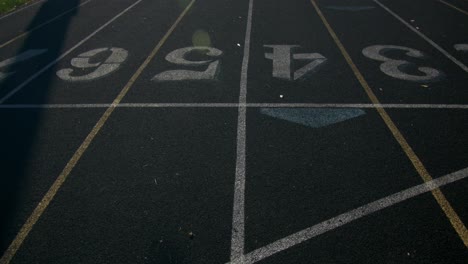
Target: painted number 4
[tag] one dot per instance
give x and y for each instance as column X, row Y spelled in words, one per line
column 283, row 60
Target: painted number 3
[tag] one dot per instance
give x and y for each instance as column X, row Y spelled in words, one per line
column 399, row 68
column 102, row 68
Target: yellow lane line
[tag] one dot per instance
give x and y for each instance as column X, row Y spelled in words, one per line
column 42, row 206
column 454, row 7
column 453, row 217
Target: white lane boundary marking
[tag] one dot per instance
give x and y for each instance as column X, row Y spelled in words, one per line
column 21, row 9
column 238, row 210
column 350, row 216
column 234, row 105
column 34, row 76
column 428, row 40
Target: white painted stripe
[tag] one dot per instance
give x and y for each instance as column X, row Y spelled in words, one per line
column 236, row 105
column 238, row 210
column 428, row 40
column 34, row 76
column 21, row 9
column 52, row 106
column 351, row 216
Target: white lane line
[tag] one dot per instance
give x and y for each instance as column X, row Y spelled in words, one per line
column 238, row 210
column 21, row 9
column 42, row 25
column 351, row 216
column 236, row 105
column 52, row 106
column 34, row 76
column 428, row 40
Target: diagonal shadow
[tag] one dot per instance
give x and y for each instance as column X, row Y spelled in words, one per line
column 20, row 127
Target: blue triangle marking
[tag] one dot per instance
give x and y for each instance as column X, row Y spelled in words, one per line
column 350, row 8
column 313, row 117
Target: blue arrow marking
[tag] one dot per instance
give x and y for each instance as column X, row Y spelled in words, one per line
column 350, row 8
column 313, row 117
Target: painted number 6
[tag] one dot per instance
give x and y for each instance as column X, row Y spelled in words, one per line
column 112, row 63
column 396, row 68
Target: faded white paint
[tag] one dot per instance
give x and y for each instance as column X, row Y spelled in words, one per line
column 111, row 64
column 281, row 58
column 461, row 47
column 395, row 67
column 316, row 61
column 179, row 57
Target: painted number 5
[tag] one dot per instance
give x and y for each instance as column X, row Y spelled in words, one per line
column 396, row 68
column 109, row 65
column 181, row 57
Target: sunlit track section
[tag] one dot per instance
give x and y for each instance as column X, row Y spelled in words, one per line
column 49, row 196
column 351, row 216
column 21, row 9
column 427, row 39
column 444, row 204
column 48, row 66
column 26, row 33
column 454, row 7
column 234, row 105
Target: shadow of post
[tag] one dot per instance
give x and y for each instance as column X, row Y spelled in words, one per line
column 20, row 126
